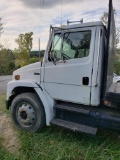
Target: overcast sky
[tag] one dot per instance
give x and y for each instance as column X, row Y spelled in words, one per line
column 21, row 16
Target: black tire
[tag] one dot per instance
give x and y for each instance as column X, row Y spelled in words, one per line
column 27, row 112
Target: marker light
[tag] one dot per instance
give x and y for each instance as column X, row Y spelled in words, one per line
column 106, row 102
column 17, row 77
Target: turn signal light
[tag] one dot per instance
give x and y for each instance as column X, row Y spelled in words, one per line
column 106, row 102
column 17, row 77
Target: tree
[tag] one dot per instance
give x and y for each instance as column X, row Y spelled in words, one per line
column 117, row 64
column 36, row 54
column 104, row 19
column 7, row 61
column 22, row 53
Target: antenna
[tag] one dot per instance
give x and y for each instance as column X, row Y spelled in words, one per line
column 39, row 59
column 68, row 22
column 61, row 12
column 39, row 48
column 1, row 27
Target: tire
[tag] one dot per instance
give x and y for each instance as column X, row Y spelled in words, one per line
column 27, row 112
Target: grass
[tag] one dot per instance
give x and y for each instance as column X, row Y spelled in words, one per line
column 2, row 103
column 4, row 155
column 55, row 143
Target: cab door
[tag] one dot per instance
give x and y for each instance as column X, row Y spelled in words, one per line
column 68, row 73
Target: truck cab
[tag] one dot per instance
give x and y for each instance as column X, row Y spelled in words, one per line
column 74, row 62
column 73, row 86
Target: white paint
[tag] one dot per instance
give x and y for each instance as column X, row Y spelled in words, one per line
column 63, row 81
column 97, row 67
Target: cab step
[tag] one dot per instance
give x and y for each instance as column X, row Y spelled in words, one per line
column 94, row 117
column 74, row 126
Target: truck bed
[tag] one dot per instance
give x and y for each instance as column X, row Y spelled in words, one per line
column 113, row 96
column 117, row 87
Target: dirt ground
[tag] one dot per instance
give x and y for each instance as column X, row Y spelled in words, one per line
column 10, row 139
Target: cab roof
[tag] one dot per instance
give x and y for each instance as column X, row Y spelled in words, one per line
column 81, row 25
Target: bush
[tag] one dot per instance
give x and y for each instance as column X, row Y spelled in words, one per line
column 33, row 60
column 117, row 64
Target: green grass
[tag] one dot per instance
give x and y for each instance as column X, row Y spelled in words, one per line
column 2, row 104
column 55, row 143
column 4, row 155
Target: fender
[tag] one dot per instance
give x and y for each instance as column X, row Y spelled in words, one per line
column 46, row 100
column 21, row 83
column 48, row 104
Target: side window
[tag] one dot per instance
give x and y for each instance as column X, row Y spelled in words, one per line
column 56, row 48
column 76, row 45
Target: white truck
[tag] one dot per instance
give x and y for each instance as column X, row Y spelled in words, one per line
column 73, row 86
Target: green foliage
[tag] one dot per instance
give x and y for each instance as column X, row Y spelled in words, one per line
column 6, row 155
column 117, row 52
column 33, row 60
column 36, row 53
column 22, row 57
column 24, row 42
column 104, row 19
column 7, row 64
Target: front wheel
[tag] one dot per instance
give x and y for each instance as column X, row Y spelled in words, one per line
column 27, row 112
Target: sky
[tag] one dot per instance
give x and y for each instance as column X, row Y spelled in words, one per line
column 21, row 16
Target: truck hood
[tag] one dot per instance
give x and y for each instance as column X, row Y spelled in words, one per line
column 29, row 72
column 28, row 67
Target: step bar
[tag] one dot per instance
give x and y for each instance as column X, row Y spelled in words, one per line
column 74, row 126
column 96, row 117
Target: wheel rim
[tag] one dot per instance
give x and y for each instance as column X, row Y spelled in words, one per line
column 26, row 114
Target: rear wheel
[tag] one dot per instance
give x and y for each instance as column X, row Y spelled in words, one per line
column 27, row 112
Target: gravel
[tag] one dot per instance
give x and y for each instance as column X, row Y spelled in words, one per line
column 3, row 83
